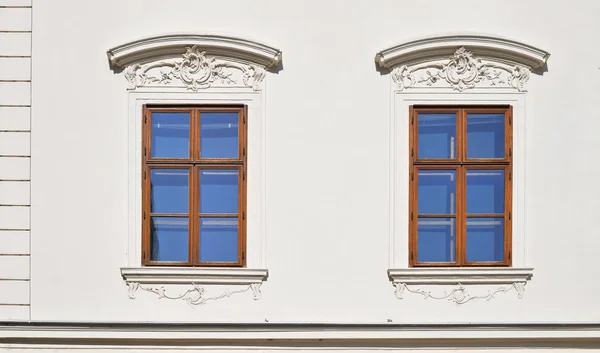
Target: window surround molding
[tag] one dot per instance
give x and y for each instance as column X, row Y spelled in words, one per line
column 486, row 47
column 194, row 61
column 458, row 70
column 196, row 70
column 463, row 62
column 156, row 47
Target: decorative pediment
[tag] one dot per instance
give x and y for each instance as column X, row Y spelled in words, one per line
column 194, row 62
column 461, row 71
column 462, row 62
column 194, row 71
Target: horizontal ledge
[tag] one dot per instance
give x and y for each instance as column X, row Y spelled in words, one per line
column 193, row 275
column 442, row 47
column 174, row 45
column 463, row 275
column 216, row 333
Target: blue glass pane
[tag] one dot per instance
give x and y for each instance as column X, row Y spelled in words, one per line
column 436, row 191
column 485, row 239
column 218, row 239
column 436, row 240
column 170, row 135
column 219, row 135
column 437, row 135
column 218, row 191
column 485, row 135
column 169, row 190
column 485, row 191
column 169, row 239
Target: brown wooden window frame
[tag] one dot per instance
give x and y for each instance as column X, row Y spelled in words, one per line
column 461, row 164
column 195, row 163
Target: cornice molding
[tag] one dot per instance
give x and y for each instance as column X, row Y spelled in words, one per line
column 460, row 275
column 188, row 334
column 174, row 45
column 193, row 275
column 490, row 48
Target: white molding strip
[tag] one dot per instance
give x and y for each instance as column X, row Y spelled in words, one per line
column 174, row 45
column 497, row 49
column 154, row 279
column 191, row 275
column 183, row 334
column 463, row 275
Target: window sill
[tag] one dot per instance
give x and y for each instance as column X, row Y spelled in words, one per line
column 193, row 275
column 482, row 283
column 160, row 281
column 460, row 275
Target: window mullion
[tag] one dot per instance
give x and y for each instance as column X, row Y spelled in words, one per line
column 462, row 135
column 192, row 241
column 194, row 190
column 461, row 221
column 196, row 134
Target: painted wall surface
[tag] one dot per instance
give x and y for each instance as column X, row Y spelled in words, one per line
column 328, row 196
column 15, row 135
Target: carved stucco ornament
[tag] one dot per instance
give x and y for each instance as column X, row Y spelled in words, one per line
column 461, row 71
column 460, row 294
column 195, row 296
column 194, row 71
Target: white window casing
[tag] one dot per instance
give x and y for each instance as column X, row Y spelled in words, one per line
column 196, row 69
column 458, row 70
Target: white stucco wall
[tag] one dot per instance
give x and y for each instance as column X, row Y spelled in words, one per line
column 15, row 131
column 327, row 196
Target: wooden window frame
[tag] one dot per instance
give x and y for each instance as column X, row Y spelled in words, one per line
column 194, row 163
column 461, row 164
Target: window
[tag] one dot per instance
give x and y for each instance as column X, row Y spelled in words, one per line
column 194, row 187
column 460, row 186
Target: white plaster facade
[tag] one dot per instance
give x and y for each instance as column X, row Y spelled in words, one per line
column 328, row 85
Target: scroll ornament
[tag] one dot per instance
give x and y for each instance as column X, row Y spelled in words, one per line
column 194, row 296
column 460, row 294
column 461, row 71
column 195, row 71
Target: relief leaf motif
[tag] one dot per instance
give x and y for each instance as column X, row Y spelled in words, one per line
column 195, row 71
column 195, row 296
column 460, row 294
column 461, row 71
